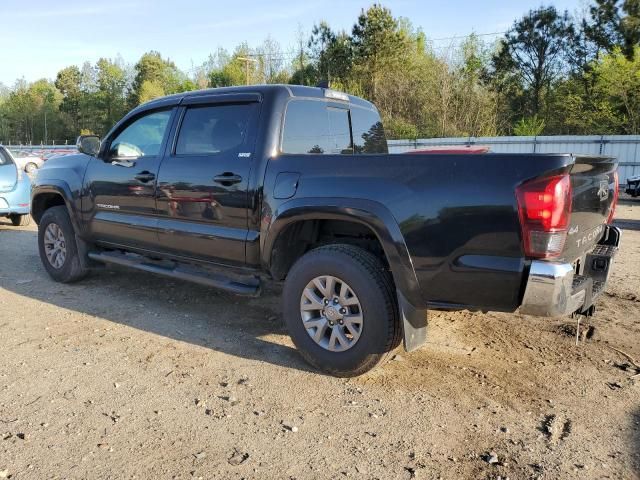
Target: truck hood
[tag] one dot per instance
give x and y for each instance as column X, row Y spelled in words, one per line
column 73, row 161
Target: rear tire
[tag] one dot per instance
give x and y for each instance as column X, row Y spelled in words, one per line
column 30, row 167
column 371, row 288
column 20, row 220
column 57, row 246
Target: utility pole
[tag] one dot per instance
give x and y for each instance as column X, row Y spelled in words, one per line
column 246, row 61
column 301, row 62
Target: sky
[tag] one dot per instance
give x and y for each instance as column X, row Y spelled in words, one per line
column 40, row 37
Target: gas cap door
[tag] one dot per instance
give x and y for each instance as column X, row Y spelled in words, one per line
column 286, row 185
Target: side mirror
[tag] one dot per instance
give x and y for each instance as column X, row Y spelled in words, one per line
column 88, row 144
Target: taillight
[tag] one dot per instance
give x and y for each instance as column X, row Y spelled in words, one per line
column 544, row 206
column 616, row 194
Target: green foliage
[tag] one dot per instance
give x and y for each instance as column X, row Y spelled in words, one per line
column 530, row 58
column 549, row 73
column 531, row 127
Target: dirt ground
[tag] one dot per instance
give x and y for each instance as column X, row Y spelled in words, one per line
column 127, row 375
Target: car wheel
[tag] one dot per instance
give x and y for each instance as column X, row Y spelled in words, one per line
column 57, row 246
column 20, row 220
column 30, row 167
column 340, row 309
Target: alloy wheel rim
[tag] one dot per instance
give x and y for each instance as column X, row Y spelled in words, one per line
column 55, row 246
column 331, row 313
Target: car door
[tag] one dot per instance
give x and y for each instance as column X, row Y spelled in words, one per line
column 202, row 196
column 120, row 185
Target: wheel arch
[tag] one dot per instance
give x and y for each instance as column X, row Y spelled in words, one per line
column 44, row 197
column 370, row 214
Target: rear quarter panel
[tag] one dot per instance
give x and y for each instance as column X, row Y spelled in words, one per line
column 457, row 214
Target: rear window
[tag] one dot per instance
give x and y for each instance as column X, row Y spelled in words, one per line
column 5, row 159
column 314, row 127
column 368, row 132
column 214, row 129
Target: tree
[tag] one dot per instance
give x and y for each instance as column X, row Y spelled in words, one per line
column 158, row 76
column 68, row 82
column 531, row 57
column 614, row 23
column 111, row 94
column 378, row 44
column 619, row 83
column 332, row 53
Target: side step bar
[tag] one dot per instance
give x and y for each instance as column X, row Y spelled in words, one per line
column 249, row 286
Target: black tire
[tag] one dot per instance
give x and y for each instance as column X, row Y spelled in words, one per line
column 371, row 283
column 30, row 167
column 71, row 270
column 20, row 220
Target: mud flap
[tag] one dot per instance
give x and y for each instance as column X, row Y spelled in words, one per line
column 414, row 324
column 83, row 254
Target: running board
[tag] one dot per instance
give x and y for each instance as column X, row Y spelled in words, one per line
column 249, row 286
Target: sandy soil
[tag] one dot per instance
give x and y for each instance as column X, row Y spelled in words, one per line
column 127, row 375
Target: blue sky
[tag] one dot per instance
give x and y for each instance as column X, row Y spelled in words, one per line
column 39, row 37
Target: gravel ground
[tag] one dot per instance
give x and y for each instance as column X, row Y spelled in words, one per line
column 127, row 375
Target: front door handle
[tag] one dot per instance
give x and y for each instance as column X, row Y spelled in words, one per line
column 145, row 177
column 227, row 178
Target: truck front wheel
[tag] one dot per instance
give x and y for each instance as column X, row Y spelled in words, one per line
column 340, row 309
column 57, row 246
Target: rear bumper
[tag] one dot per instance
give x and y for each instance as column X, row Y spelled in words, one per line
column 555, row 289
column 18, row 200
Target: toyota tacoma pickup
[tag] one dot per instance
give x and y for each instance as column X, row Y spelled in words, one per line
column 235, row 187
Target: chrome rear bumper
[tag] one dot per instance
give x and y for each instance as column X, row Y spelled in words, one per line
column 555, row 289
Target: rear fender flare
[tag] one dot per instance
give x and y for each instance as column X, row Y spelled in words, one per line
column 372, row 214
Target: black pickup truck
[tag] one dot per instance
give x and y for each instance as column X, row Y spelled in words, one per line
column 234, row 187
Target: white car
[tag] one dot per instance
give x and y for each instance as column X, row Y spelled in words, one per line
column 26, row 161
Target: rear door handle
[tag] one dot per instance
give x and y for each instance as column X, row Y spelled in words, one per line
column 145, row 177
column 227, row 178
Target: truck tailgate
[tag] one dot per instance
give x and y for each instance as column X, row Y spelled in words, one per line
column 594, row 192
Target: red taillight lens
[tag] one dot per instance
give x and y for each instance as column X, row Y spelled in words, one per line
column 544, row 206
column 616, row 194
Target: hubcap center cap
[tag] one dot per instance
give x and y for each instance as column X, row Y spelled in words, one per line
column 332, row 313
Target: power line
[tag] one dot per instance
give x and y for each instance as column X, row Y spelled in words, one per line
column 465, row 36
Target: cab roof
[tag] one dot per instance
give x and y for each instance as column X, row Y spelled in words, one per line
column 277, row 89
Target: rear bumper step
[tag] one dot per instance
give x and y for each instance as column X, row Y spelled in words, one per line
column 248, row 287
column 554, row 289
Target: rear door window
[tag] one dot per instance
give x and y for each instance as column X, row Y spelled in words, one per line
column 214, row 129
column 312, row 127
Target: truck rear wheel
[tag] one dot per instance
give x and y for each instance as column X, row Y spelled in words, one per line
column 341, row 311
column 57, row 246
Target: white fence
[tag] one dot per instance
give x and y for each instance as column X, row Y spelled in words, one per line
column 626, row 148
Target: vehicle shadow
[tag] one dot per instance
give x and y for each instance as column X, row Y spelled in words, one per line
column 635, row 441
column 627, row 224
column 185, row 312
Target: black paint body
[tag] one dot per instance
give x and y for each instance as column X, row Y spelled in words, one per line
column 448, row 224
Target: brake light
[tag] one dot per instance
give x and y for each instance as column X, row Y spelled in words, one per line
column 616, row 194
column 544, row 207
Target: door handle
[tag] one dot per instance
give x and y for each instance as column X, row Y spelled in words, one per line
column 227, row 178
column 145, row 177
